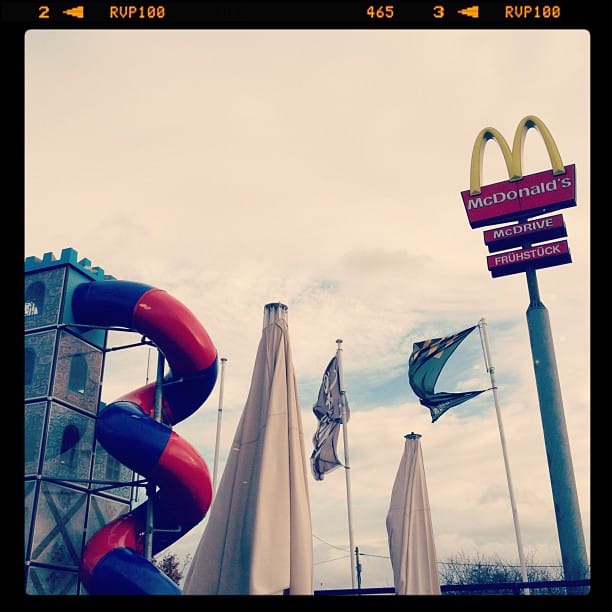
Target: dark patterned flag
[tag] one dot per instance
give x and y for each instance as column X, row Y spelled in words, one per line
column 328, row 411
column 424, row 368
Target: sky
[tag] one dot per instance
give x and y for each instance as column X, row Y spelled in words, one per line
column 323, row 169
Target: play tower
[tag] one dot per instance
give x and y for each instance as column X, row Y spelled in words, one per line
column 72, row 486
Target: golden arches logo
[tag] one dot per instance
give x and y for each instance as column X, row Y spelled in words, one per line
column 513, row 157
column 520, row 196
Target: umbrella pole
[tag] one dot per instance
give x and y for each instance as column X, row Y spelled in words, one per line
column 219, row 412
column 347, row 467
column 517, row 529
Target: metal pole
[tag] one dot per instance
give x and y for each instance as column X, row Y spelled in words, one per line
column 220, row 410
column 517, row 529
column 347, row 467
column 151, row 487
column 558, row 455
column 148, row 362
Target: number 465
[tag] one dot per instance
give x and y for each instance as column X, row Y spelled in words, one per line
column 382, row 12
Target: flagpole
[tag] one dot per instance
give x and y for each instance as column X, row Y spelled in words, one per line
column 219, row 412
column 517, row 530
column 152, row 487
column 347, row 466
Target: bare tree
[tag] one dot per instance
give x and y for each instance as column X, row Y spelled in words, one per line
column 169, row 565
column 464, row 570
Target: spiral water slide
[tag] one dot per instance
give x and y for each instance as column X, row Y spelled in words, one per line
column 113, row 562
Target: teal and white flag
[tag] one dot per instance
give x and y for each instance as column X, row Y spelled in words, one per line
column 424, row 367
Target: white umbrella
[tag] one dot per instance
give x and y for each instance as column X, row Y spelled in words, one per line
column 409, row 527
column 258, row 538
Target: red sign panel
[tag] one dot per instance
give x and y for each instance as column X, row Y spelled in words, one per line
column 540, row 256
column 531, row 195
column 525, row 234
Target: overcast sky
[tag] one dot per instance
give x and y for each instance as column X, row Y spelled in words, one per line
column 323, row 169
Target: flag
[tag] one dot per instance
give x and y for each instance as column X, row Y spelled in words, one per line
column 328, row 411
column 424, row 367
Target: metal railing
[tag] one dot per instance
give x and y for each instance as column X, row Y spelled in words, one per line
column 540, row 587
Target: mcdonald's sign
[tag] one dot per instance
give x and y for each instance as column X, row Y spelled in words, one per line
column 520, row 196
column 518, row 234
column 540, row 256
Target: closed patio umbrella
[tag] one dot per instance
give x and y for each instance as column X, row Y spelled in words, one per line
column 409, row 527
column 258, row 538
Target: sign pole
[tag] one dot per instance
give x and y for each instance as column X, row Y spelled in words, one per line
column 565, row 498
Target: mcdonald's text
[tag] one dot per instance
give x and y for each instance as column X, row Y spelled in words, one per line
column 531, row 195
column 541, row 256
